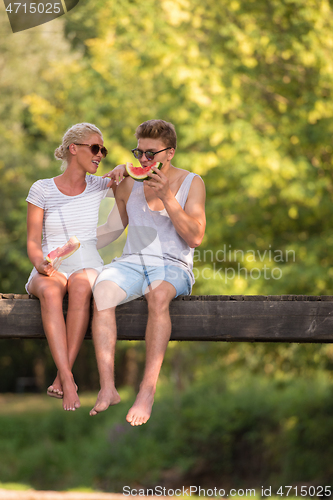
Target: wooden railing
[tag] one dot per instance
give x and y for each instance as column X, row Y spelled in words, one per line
column 236, row 318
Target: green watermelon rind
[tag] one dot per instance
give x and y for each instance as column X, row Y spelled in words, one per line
column 65, row 251
column 144, row 176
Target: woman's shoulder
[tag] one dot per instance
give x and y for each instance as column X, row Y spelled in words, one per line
column 42, row 183
column 97, row 182
column 39, row 192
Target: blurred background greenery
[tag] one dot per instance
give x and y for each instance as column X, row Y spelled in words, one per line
column 248, row 85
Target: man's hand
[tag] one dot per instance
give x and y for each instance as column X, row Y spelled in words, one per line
column 159, row 184
column 189, row 222
column 116, row 175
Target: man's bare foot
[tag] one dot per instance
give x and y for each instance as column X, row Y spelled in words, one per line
column 71, row 400
column 141, row 410
column 105, row 398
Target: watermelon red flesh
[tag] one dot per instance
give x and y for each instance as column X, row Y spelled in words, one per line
column 141, row 173
column 62, row 253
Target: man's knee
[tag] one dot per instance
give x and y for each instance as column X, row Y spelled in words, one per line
column 107, row 294
column 160, row 297
column 103, row 314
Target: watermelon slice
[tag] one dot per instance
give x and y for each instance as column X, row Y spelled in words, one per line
column 59, row 254
column 141, row 173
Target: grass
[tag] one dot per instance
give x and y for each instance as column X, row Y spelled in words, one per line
column 14, row 486
column 13, row 404
column 43, row 447
column 219, row 433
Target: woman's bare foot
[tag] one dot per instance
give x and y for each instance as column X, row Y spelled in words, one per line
column 55, row 390
column 141, row 410
column 105, row 398
column 71, row 400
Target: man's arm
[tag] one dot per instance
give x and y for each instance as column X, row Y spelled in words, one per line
column 117, row 219
column 116, row 175
column 189, row 223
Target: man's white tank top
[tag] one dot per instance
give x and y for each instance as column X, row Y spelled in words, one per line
column 152, row 239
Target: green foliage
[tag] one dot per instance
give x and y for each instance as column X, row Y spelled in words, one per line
column 248, row 86
column 26, row 146
column 226, row 432
column 257, row 429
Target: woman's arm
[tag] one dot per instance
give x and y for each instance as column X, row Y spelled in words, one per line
column 34, row 247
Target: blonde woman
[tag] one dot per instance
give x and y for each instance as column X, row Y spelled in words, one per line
column 59, row 208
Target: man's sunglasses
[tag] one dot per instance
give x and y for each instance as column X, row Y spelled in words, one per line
column 94, row 148
column 138, row 154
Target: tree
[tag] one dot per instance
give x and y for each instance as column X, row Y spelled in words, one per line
column 248, row 85
column 249, row 88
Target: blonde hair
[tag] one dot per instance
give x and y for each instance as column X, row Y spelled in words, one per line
column 77, row 133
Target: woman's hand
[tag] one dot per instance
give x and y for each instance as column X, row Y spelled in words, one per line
column 46, row 268
column 116, row 175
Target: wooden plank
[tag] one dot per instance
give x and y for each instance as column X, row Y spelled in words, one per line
column 288, row 318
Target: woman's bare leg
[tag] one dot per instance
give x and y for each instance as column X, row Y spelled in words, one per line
column 78, row 313
column 51, row 291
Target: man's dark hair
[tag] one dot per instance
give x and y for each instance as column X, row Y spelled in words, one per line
column 158, row 129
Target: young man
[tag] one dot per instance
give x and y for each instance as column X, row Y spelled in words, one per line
column 166, row 220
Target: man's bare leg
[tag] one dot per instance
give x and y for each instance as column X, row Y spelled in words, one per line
column 158, row 333
column 107, row 295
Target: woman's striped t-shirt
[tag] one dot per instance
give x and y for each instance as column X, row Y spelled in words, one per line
column 67, row 216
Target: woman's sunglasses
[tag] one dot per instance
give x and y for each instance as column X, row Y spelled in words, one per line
column 95, row 148
column 138, row 154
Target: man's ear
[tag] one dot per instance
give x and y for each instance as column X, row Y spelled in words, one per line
column 171, row 153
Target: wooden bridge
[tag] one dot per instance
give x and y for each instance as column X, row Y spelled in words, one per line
column 235, row 318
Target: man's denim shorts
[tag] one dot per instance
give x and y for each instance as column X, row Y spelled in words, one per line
column 134, row 279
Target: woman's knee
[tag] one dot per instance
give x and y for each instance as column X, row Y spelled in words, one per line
column 79, row 290
column 50, row 294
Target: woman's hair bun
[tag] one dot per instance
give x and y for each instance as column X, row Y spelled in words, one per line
column 58, row 154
